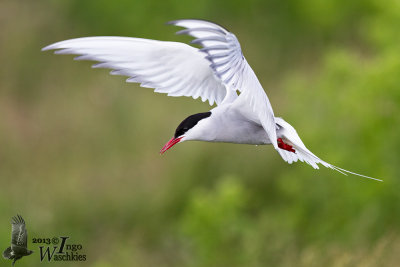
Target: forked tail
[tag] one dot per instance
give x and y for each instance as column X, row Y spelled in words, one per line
column 292, row 149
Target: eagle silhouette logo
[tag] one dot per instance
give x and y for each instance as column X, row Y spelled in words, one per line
column 19, row 240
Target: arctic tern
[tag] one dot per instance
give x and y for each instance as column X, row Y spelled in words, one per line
column 213, row 73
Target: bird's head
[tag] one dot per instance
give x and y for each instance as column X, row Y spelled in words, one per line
column 186, row 130
column 30, row 252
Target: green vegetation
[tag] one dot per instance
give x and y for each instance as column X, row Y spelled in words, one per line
column 79, row 148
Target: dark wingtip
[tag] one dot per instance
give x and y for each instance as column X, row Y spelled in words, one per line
column 196, row 41
column 17, row 219
column 183, row 32
column 21, row 219
column 171, row 22
column 47, row 47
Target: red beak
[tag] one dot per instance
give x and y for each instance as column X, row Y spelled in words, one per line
column 170, row 144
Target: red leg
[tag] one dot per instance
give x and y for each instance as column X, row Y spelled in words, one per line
column 285, row 146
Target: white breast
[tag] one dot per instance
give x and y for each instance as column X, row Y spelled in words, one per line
column 229, row 126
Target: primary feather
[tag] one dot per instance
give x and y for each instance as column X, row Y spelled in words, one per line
column 173, row 68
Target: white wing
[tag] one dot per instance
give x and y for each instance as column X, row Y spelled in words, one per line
column 228, row 63
column 290, row 136
column 173, row 68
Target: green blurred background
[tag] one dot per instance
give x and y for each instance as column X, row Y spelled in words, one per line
column 79, row 148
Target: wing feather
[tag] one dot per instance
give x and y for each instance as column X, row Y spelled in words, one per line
column 228, row 63
column 19, row 234
column 173, row 68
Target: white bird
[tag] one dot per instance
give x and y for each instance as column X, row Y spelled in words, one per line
column 214, row 73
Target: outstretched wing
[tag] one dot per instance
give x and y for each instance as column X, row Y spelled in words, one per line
column 19, row 235
column 173, row 68
column 290, row 136
column 228, row 63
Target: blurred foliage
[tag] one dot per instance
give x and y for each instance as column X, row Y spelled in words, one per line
column 79, row 148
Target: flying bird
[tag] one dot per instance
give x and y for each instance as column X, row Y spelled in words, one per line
column 214, row 73
column 19, row 241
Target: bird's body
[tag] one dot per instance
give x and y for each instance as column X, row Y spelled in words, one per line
column 228, row 125
column 19, row 241
column 214, row 73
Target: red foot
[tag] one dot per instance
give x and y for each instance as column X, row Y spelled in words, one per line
column 285, row 146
